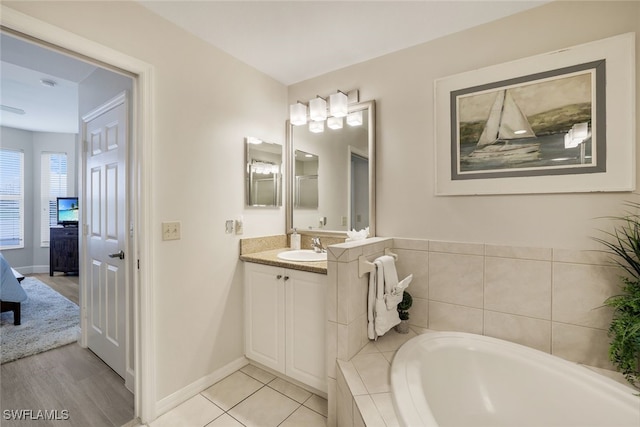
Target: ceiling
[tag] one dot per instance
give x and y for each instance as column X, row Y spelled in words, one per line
column 290, row 41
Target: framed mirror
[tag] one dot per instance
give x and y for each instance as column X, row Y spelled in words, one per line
column 263, row 173
column 331, row 176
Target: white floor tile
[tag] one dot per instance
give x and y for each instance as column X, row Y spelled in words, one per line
column 290, row 390
column 304, row 417
column 265, row 408
column 318, row 404
column 195, row 412
column 257, row 373
column 225, row 421
column 232, row 390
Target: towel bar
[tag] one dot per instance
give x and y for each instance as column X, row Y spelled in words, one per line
column 365, row 266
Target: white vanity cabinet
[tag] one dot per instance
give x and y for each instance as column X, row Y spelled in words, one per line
column 285, row 318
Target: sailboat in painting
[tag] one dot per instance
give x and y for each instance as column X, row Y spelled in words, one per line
column 505, row 135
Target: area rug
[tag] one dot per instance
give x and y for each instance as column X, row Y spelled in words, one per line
column 48, row 319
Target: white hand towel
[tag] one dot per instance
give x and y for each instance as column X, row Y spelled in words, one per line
column 385, row 319
column 371, row 302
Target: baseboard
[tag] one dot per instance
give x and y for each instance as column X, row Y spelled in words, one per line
column 186, row 393
column 33, row 269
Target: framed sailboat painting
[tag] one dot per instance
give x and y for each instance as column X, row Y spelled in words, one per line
column 558, row 122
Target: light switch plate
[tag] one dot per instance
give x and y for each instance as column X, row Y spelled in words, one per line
column 171, row 230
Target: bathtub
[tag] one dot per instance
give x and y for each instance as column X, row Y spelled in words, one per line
column 459, row 379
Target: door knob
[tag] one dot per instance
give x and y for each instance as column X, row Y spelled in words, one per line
column 117, row 255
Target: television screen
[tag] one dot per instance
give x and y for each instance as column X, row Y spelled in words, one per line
column 67, row 210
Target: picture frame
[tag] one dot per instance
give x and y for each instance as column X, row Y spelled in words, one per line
column 559, row 122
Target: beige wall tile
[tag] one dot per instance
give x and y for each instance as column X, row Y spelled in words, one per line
column 368, row 411
column 580, row 344
column 416, row 263
column 413, row 244
column 384, row 403
column 358, row 293
column 457, row 248
column 449, row 317
column 344, row 288
column 540, row 254
column 332, row 391
column 579, row 292
column 344, row 402
column 351, row 378
column 343, row 342
column 419, row 313
column 392, row 341
column 517, row 286
column 456, row 279
column 595, row 257
column 534, row 333
column 332, row 348
column 374, row 370
column 355, row 341
column 332, row 291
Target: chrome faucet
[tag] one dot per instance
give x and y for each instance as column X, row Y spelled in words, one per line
column 316, row 245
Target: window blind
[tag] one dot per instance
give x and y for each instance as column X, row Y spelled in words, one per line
column 11, row 199
column 53, row 184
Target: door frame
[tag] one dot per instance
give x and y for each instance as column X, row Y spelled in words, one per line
column 139, row 200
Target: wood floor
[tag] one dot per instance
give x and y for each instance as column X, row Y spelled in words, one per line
column 67, row 378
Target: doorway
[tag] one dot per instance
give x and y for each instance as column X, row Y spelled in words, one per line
column 141, row 338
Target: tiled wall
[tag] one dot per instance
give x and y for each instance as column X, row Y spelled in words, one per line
column 548, row 299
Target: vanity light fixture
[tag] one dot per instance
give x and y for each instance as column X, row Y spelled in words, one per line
column 334, row 122
column 338, row 104
column 253, row 140
column 578, row 133
column 298, row 114
column 338, row 107
column 316, row 126
column 355, row 118
column 318, row 109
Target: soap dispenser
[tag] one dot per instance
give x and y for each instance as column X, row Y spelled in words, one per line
column 295, row 240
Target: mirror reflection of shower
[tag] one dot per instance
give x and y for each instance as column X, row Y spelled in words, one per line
column 306, row 180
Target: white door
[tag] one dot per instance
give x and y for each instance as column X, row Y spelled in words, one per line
column 105, row 136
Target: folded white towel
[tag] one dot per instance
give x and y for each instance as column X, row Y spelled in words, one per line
column 384, row 319
column 385, row 293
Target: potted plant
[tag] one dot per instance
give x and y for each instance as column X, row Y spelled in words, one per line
column 403, row 312
column 624, row 330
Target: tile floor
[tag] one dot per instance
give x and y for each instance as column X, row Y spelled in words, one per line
column 249, row 397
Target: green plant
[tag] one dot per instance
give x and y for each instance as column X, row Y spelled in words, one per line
column 405, row 305
column 624, row 330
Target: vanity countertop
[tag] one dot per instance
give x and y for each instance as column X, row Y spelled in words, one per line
column 270, row 257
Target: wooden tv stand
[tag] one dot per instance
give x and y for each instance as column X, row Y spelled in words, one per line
column 63, row 250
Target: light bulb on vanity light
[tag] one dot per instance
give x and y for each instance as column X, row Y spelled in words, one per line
column 338, row 104
column 316, row 126
column 318, row 109
column 298, row 114
column 334, row 122
column 355, row 118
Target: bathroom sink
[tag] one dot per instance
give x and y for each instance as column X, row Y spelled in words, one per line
column 303, row 255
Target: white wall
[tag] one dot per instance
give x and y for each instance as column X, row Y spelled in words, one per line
column 402, row 85
column 205, row 103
